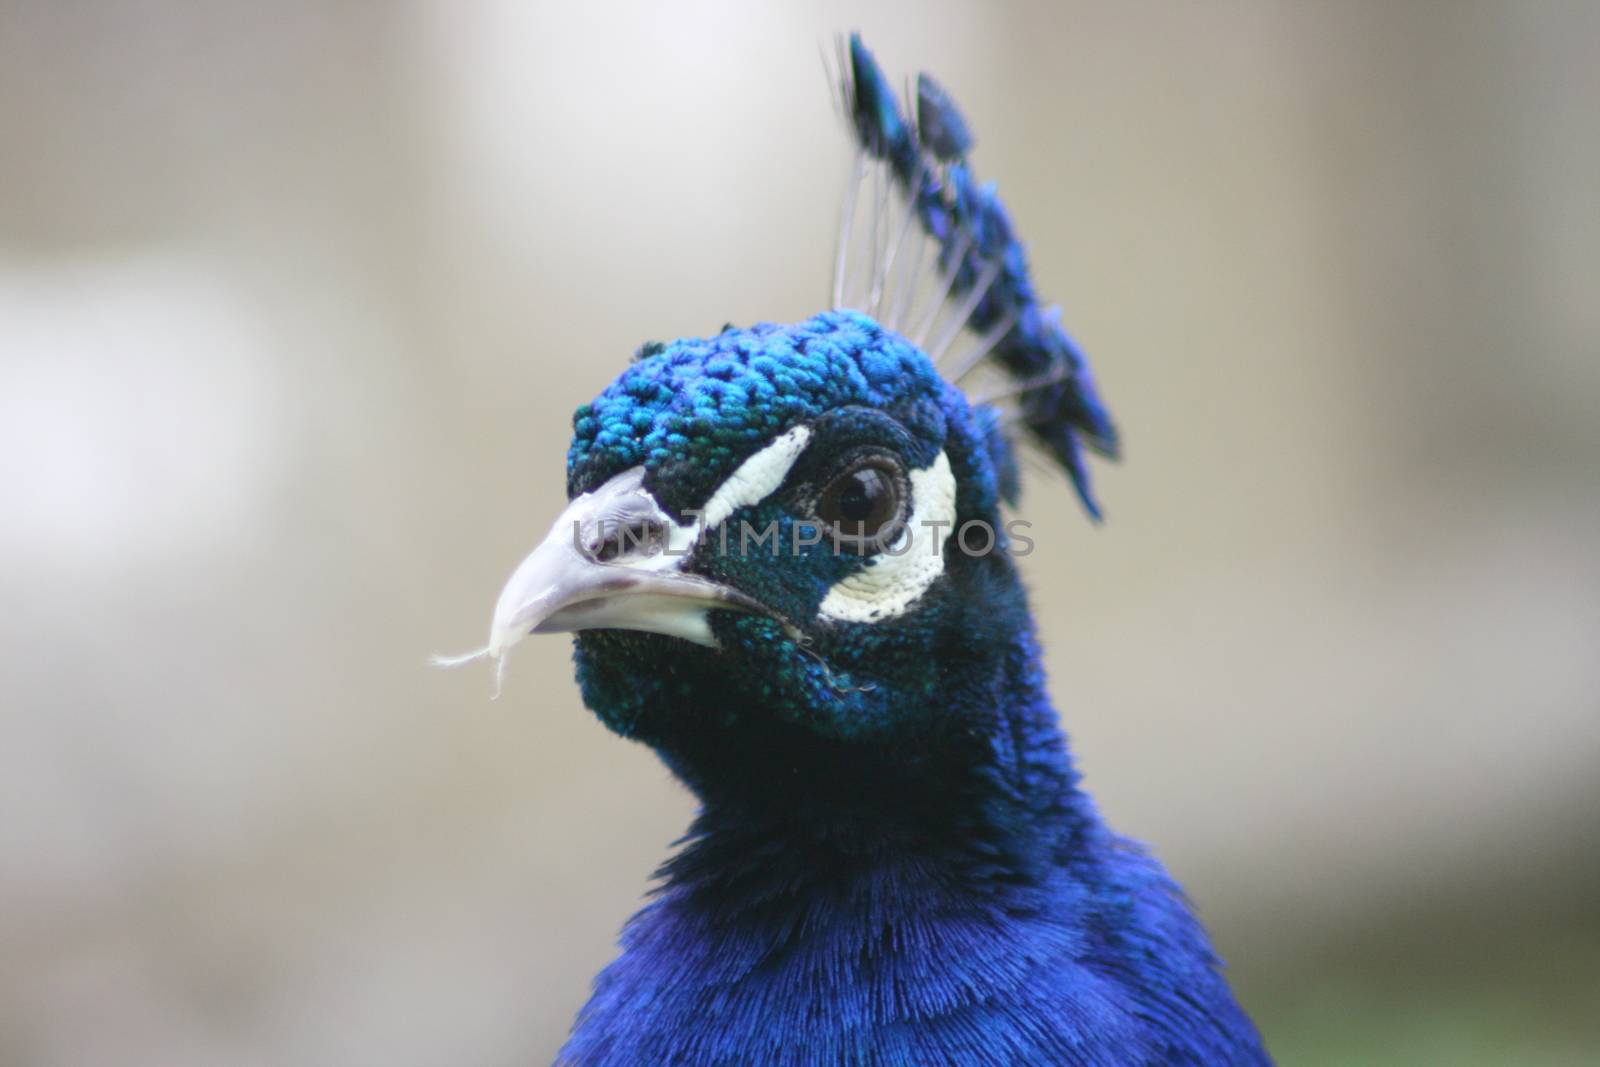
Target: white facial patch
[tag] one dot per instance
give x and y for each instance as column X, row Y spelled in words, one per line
column 756, row 478
column 893, row 580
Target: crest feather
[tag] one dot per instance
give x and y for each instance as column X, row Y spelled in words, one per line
column 978, row 280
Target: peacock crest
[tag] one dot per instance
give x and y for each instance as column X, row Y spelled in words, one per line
column 930, row 253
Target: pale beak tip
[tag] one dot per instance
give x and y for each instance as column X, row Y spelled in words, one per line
column 506, row 630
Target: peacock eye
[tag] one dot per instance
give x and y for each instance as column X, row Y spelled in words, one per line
column 864, row 506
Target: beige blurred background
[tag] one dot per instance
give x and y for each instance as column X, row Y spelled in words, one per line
column 296, row 300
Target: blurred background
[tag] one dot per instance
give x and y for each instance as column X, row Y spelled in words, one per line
column 296, row 301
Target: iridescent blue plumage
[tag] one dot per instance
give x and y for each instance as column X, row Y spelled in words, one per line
column 893, row 863
column 689, row 411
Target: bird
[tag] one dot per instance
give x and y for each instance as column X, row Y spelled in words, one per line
column 788, row 560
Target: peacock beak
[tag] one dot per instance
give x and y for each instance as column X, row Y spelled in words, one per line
column 613, row 561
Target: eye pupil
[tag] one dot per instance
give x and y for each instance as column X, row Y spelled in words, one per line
column 863, row 491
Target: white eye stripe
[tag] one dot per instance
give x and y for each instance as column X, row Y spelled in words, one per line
column 890, row 583
column 756, row 478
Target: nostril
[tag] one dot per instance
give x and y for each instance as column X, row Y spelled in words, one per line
column 619, row 539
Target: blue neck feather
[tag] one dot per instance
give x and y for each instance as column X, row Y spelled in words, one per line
column 955, row 900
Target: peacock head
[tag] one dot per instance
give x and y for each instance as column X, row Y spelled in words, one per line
column 784, row 524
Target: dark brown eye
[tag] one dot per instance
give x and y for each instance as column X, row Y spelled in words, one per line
column 863, row 506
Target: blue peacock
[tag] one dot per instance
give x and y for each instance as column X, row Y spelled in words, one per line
column 769, row 563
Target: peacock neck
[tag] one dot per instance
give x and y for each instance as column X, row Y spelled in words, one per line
column 961, row 903
column 986, row 792
column 852, row 897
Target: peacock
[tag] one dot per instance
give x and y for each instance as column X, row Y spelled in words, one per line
column 788, row 560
